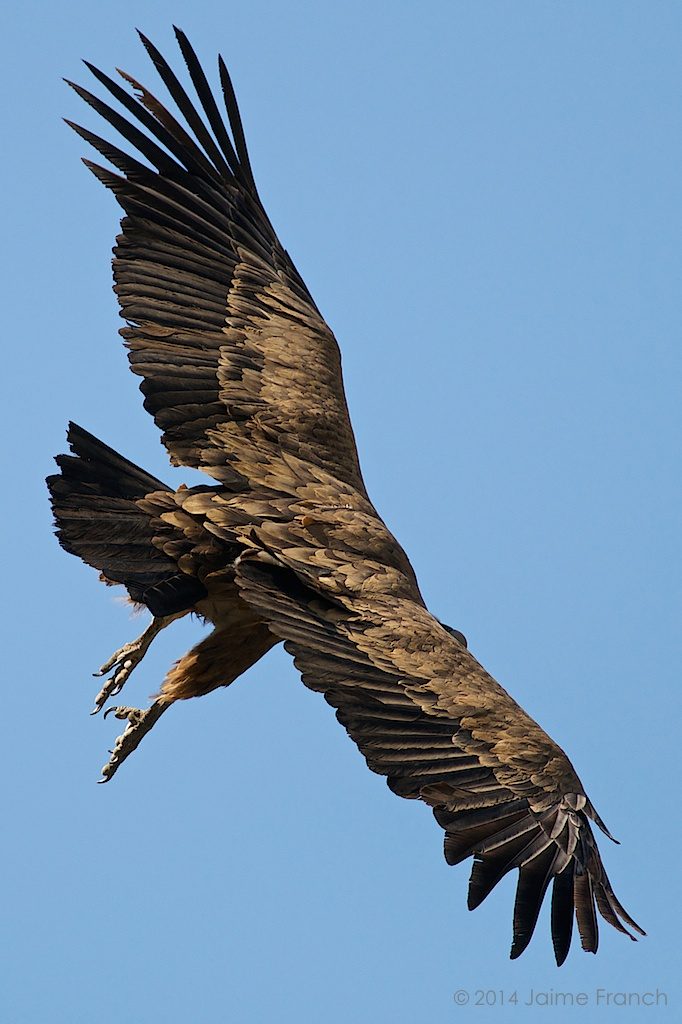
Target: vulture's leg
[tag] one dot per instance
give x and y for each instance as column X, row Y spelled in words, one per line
column 139, row 724
column 217, row 661
column 125, row 659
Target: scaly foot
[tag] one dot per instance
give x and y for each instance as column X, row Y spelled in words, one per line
column 139, row 724
column 125, row 659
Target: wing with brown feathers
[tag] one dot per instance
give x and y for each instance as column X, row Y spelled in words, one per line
column 329, row 579
column 427, row 715
column 221, row 327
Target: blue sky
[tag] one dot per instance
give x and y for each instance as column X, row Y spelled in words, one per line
column 484, row 199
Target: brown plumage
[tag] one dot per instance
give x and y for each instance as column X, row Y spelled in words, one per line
column 243, row 377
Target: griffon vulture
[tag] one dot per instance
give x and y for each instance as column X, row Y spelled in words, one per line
column 243, row 377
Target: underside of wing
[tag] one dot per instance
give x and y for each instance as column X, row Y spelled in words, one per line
column 221, row 327
column 405, row 733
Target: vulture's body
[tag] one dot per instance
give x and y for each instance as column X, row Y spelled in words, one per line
column 243, row 377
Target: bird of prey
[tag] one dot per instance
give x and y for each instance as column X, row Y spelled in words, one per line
column 243, row 377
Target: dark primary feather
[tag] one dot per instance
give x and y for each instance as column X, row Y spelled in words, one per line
column 243, row 377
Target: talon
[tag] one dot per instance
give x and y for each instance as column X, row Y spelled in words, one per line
column 139, row 723
column 125, row 659
column 110, row 689
column 119, row 711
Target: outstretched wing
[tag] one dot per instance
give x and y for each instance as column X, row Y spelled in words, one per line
column 221, row 327
column 330, row 580
column 428, row 716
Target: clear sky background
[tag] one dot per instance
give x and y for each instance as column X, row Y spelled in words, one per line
column 484, row 199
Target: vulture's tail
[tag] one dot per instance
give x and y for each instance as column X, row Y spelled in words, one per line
column 95, row 503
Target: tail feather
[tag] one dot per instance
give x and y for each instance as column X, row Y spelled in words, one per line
column 95, row 503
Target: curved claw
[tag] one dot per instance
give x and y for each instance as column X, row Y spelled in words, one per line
column 112, row 687
column 139, row 723
column 123, row 661
column 119, row 711
column 103, row 696
column 116, row 660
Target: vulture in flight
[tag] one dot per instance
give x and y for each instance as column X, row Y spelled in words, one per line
column 243, row 377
